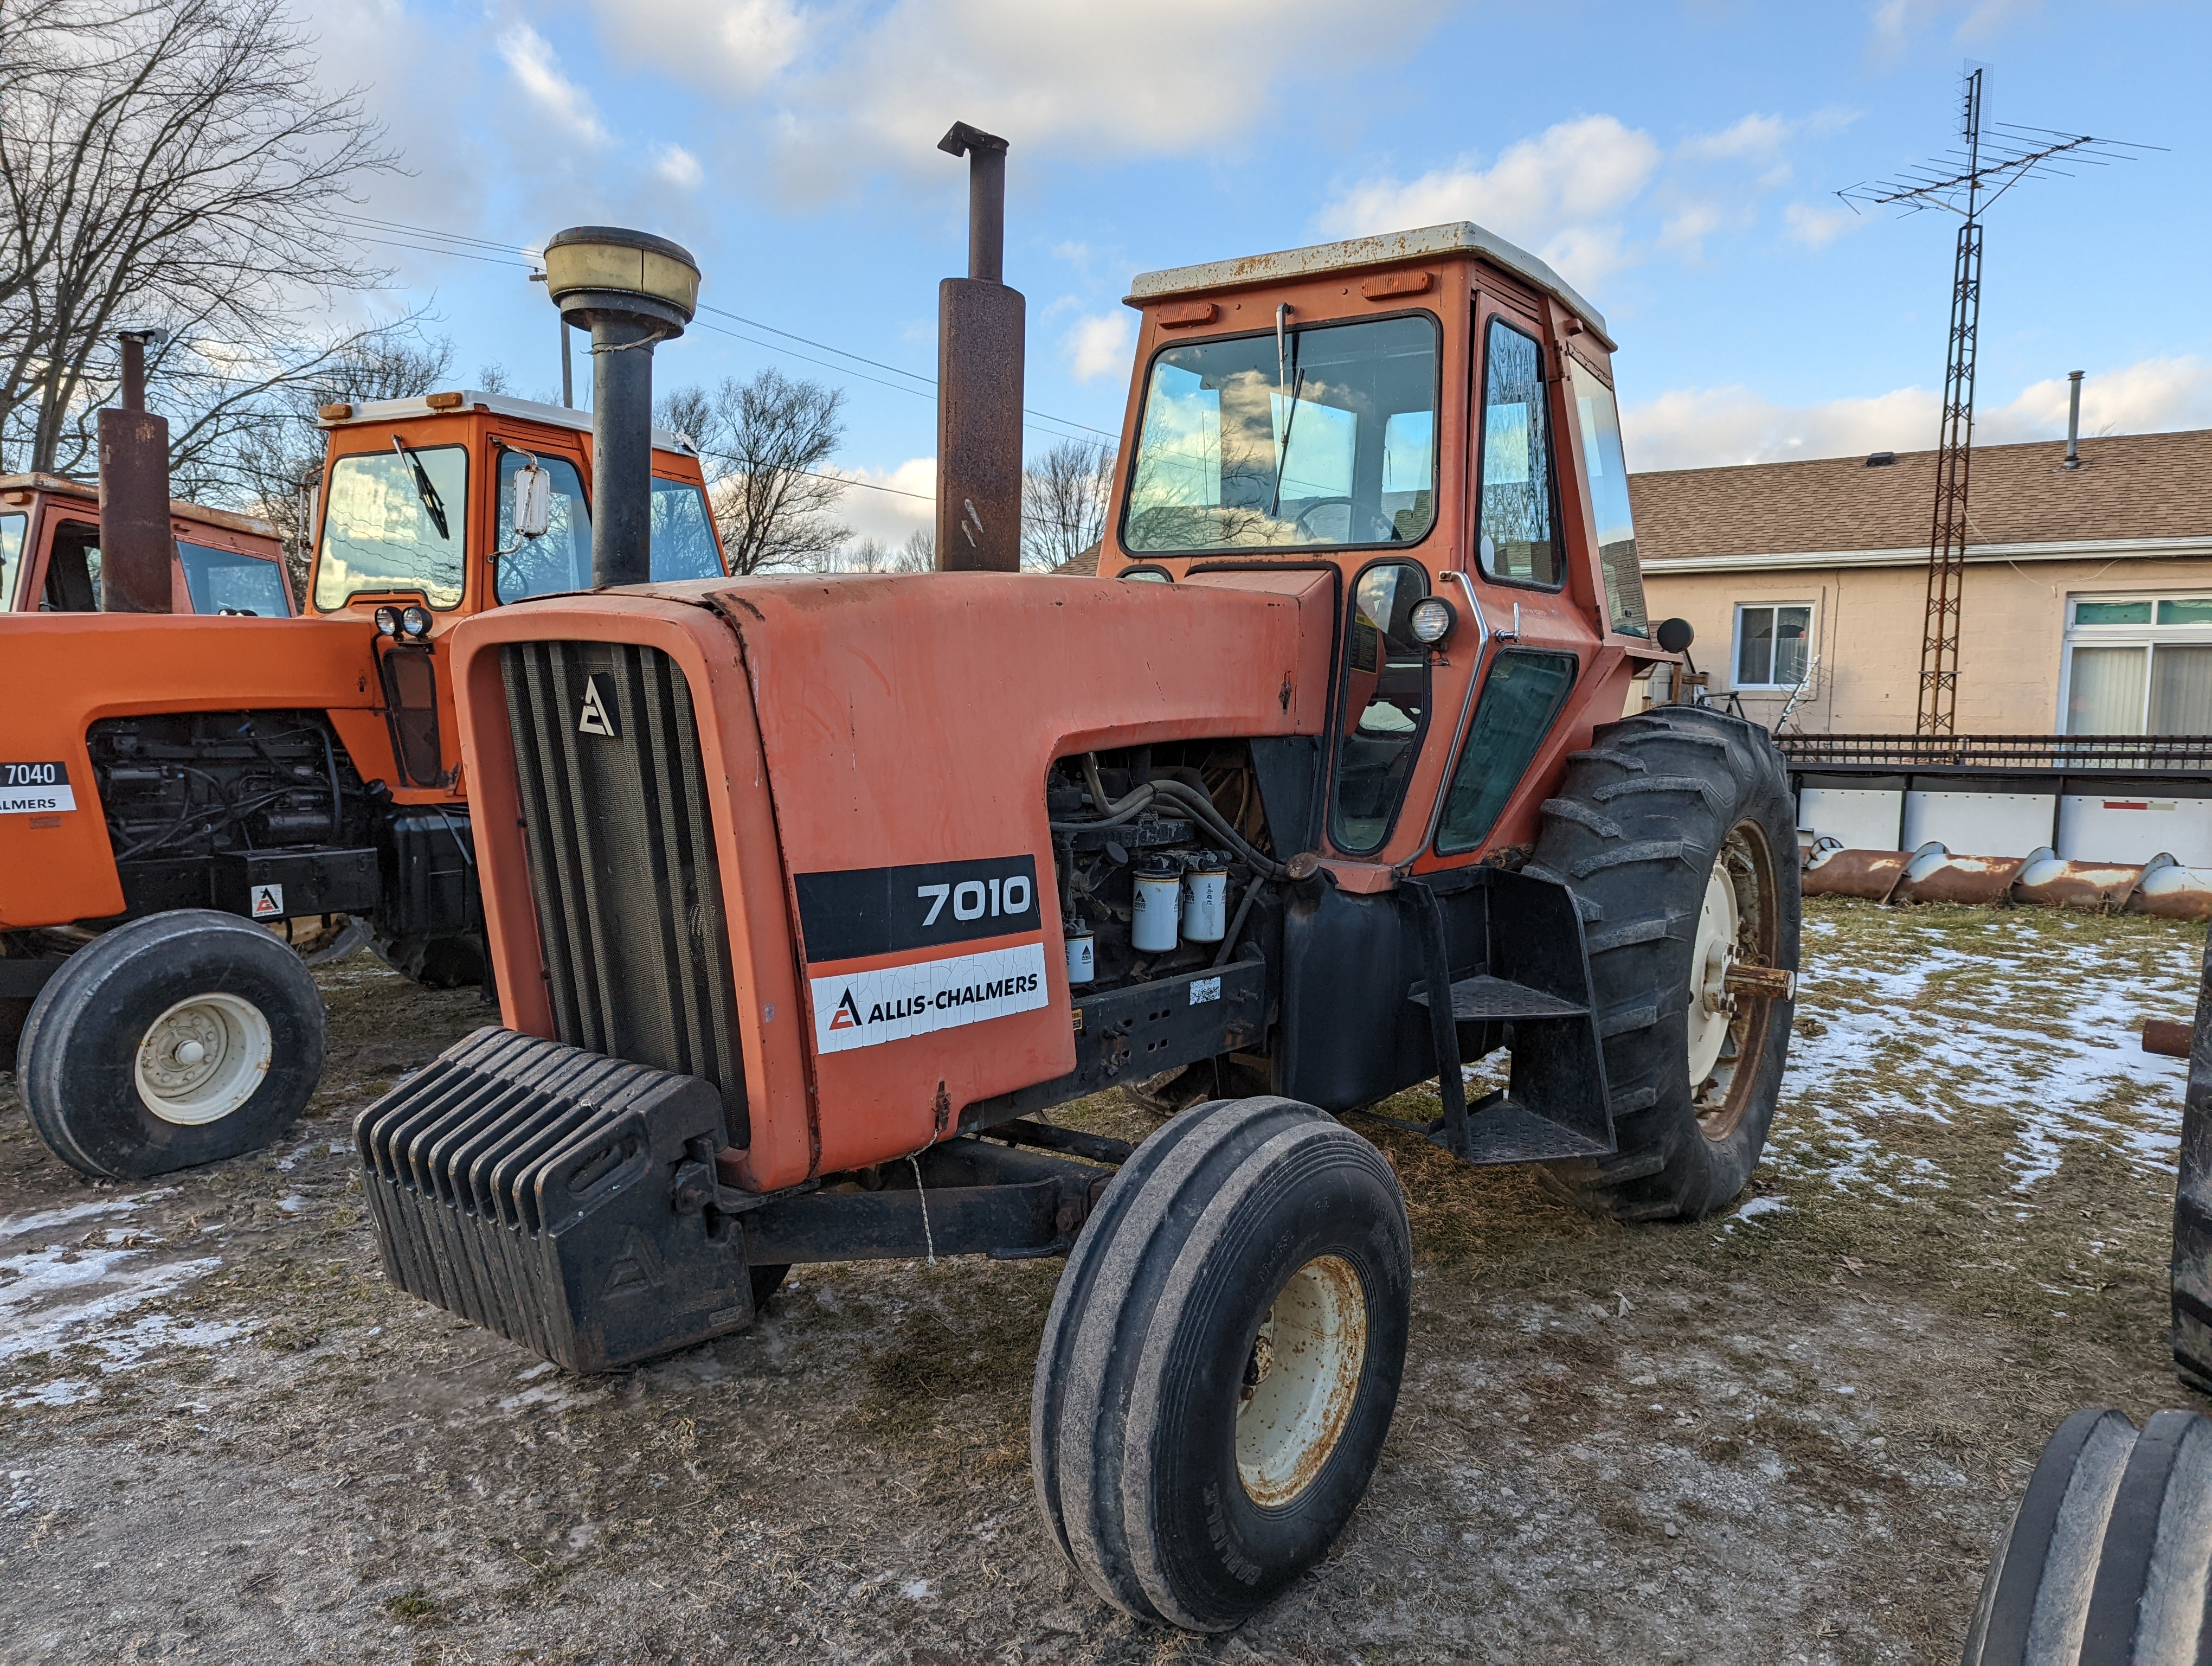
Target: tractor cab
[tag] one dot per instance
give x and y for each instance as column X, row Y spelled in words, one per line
column 1429, row 419
column 220, row 561
column 432, row 509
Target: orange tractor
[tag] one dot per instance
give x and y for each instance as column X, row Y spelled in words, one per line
column 172, row 788
column 809, row 898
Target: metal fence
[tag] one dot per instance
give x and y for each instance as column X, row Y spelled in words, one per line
column 2020, row 752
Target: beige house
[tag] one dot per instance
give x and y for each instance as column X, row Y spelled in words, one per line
column 2088, row 601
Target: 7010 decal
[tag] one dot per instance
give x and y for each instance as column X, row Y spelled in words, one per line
column 1011, row 895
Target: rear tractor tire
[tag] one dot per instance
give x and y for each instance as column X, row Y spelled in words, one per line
column 1676, row 832
column 182, row 1038
column 1222, row 1361
column 2107, row 1559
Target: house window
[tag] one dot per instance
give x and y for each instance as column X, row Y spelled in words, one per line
column 2138, row 665
column 1772, row 644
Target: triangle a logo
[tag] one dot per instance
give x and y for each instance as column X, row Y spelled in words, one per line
column 596, row 716
column 848, row 1015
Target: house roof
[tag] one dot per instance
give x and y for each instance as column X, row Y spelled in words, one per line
column 2130, row 488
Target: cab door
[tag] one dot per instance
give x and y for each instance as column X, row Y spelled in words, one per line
column 1529, row 633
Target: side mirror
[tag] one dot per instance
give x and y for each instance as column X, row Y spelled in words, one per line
column 1676, row 635
column 533, row 501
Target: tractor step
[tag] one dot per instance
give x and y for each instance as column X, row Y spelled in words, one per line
column 1500, row 1131
column 1485, row 997
column 562, row 1198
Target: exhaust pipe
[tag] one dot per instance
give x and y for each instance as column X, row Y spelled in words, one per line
column 981, row 325
column 2073, row 419
column 134, row 493
column 631, row 291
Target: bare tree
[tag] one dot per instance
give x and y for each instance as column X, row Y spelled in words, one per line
column 167, row 163
column 918, row 554
column 766, row 442
column 1064, row 495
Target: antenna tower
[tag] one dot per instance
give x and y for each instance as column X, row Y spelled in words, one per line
column 1967, row 181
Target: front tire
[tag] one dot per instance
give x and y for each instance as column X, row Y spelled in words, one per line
column 1676, row 832
column 1222, row 1361
column 182, row 1038
column 2107, row 1557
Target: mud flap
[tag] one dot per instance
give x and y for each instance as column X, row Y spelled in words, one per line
column 562, row 1198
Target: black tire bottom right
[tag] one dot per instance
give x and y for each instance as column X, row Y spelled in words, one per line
column 2108, row 1558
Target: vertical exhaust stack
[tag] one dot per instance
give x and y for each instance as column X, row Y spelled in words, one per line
column 2074, row 419
column 134, row 493
column 631, row 290
column 981, row 325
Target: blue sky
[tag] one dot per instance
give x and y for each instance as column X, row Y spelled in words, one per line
column 1675, row 159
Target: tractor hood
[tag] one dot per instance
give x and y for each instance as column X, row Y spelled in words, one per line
column 851, row 728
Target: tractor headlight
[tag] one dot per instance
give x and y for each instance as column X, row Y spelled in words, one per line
column 388, row 621
column 415, row 622
column 1432, row 621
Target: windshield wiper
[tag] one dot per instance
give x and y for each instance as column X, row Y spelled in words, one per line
column 423, row 490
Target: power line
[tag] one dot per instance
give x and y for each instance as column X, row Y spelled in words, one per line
column 537, row 257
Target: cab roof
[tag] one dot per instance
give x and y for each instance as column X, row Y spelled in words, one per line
column 88, row 491
column 1356, row 253
column 395, row 410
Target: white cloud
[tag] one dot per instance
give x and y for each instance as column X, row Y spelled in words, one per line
column 1099, row 346
column 677, row 167
column 1558, row 193
column 724, row 45
column 1697, row 427
column 1816, row 225
column 1752, row 135
column 890, row 517
column 530, row 58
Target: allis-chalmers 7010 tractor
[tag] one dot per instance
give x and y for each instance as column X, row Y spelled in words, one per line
column 171, row 787
column 808, row 897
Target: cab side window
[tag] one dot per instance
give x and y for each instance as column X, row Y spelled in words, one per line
column 1522, row 693
column 1385, row 706
column 73, row 569
column 1518, row 537
column 562, row 559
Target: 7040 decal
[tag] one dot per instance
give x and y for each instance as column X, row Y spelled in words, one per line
column 27, row 788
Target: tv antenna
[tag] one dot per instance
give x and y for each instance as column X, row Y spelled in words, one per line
column 1967, row 180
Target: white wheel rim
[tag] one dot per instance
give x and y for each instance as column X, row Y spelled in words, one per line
column 1711, row 1006
column 203, row 1059
column 1301, row 1380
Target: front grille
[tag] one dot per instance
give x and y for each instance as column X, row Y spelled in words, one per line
column 623, row 866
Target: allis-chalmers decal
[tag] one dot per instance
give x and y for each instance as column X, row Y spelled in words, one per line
column 860, row 1009
column 860, row 914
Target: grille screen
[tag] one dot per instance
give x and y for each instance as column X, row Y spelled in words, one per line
column 623, row 868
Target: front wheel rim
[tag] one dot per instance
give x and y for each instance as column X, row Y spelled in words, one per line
column 203, row 1059
column 1301, row 1379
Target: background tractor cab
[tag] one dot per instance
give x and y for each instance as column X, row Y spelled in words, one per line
column 417, row 529
column 223, row 562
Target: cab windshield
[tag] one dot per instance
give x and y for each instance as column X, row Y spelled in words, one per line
column 384, row 531
column 1324, row 436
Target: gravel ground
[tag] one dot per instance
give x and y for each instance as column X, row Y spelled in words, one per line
column 1789, row 1433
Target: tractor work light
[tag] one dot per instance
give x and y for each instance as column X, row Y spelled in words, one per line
column 1432, row 621
column 415, row 622
column 388, row 621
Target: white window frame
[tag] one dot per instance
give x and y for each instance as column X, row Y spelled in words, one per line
column 2143, row 637
column 1735, row 642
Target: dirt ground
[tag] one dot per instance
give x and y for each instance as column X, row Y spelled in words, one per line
column 1787, row 1434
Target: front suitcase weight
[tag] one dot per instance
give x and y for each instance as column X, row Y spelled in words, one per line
column 564, row 1198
